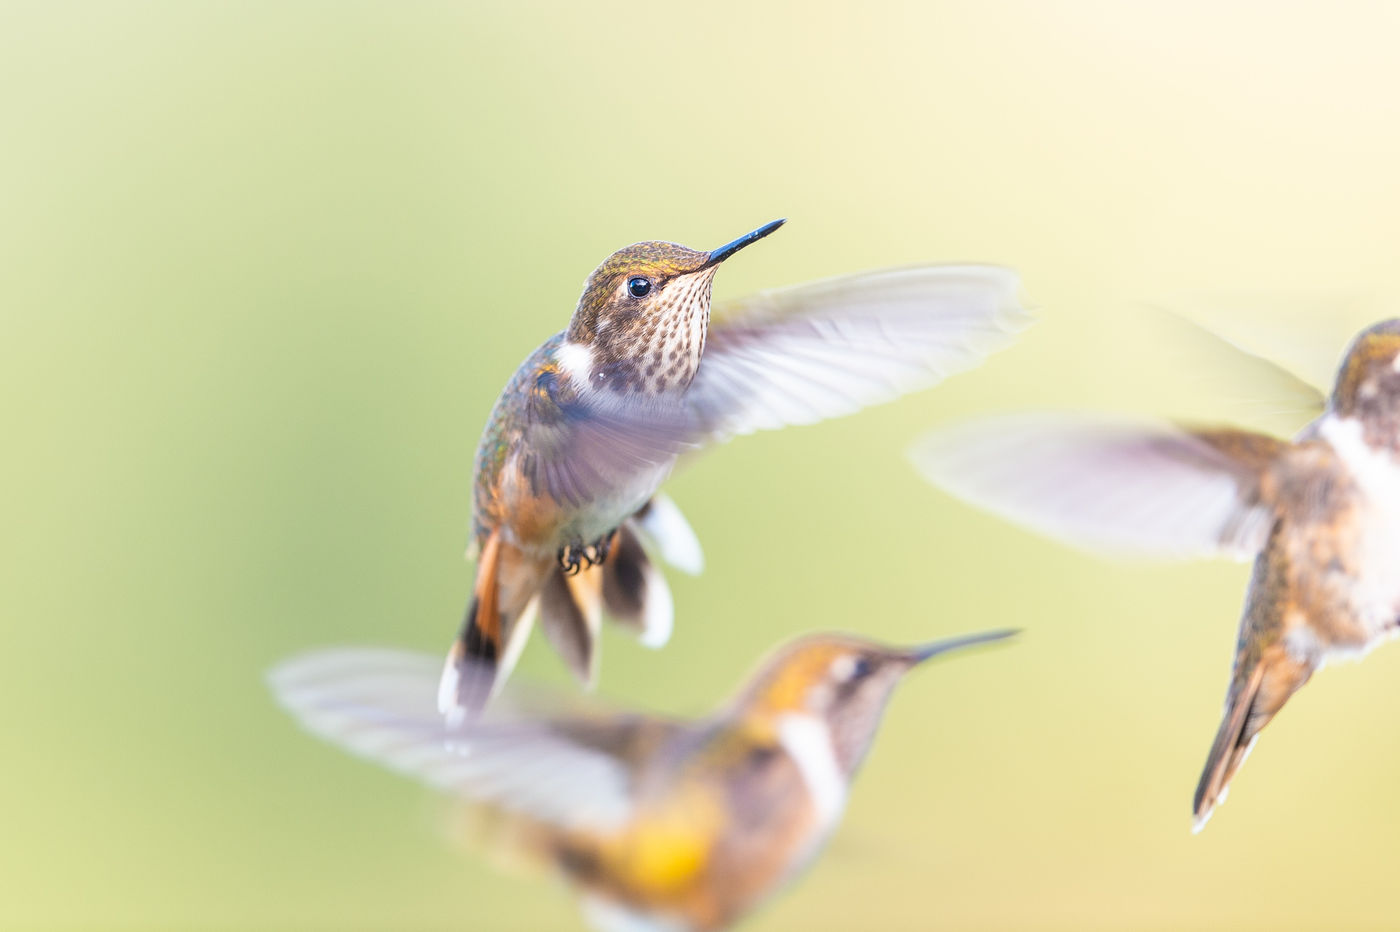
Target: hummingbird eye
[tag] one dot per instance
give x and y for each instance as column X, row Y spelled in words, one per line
column 851, row 670
column 638, row 287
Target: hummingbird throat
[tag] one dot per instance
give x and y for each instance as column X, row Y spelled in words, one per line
column 658, row 351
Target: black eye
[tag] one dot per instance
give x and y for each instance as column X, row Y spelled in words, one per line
column 638, row 287
column 861, row 669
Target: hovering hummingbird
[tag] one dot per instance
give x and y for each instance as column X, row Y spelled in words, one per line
column 659, row 824
column 1320, row 517
column 591, row 424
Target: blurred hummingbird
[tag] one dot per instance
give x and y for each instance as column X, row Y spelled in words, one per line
column 567, row 471
column 1320, row 517
column 659, row 824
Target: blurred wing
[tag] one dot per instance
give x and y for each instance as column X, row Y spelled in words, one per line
column 830, row 348
column 1124, row 489
column 1303, row 333
column 582, row 446
column 1240, row 376
column 380, row 704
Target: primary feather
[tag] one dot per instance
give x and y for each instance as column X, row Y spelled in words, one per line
column 1121, row 488
column 379, row 703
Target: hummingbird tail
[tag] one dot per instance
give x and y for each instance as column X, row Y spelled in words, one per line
column 1255, row 698
column 494, row 629
column 635, row 591
column 665, row 532
column 571, row 613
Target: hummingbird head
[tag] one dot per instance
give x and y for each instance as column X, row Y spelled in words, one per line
column 839, row 680
column 645, row 311
column 1368, row 385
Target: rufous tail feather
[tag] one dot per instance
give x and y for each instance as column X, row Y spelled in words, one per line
column 571, row 612
column 496, row 622
column 635, row 592
column 1254, row 701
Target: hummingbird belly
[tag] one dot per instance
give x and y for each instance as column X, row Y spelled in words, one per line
column 1376, row 588
column 604, row 515
column 1373, row 572
column 539, row 523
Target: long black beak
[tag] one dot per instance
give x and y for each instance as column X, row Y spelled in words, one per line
column 934, row 648
column 729, row 249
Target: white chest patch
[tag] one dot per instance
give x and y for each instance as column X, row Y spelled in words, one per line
column 1377, row 589
column 808, row 741
column 577, row 360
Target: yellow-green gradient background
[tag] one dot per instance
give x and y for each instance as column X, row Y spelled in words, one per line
column 264, row 266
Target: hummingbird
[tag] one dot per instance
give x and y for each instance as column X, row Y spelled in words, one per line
column 565, row 500
column 658, row 823
column 1318, row 515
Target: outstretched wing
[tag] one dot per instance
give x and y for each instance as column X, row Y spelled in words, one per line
column 1236, row 368
column 792, row 356
column 1120, row 488
column 380, row 704
column 830, row 348
column 1302, row 334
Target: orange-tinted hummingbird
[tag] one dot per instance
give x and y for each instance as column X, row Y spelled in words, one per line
column 1320, row 517
column 659, row 824
column 592, row 422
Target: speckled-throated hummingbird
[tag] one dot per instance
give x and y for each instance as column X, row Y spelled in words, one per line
column 660, row 824
column 1320, row 517
column 592, row 422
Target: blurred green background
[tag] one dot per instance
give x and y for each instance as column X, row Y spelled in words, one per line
column 264, row 266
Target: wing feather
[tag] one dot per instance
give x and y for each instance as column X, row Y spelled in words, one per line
column 380, row 704
column 794, row 356
column 830, row 348
column 1116, row 487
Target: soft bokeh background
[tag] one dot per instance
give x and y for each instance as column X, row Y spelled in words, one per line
column 264, row 266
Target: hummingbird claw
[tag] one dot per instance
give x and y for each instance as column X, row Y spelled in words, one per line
column 603, row 546
column 576, row 557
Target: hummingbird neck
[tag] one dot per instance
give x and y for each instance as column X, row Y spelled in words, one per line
column 808, row 741
column 654, row 352
column 1377, row 420
column 845, row 743
column 1368, row 385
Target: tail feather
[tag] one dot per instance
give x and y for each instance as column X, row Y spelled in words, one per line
column 571, row 614
column 1255, row 698
column 493, row 631
column 635, row 591
column 661, row 524
column 511, row 587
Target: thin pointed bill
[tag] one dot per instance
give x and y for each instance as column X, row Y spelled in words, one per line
column 934, row 648
column 729, row 249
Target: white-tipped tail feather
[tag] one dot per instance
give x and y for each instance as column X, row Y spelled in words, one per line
column 665, row 530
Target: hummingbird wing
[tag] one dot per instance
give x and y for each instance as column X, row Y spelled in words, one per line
column 581, row 444
column 1239, row 370
column 379, row 704
column 1300, row 333
column 792, row 356
column 1115, row 487
column 829, row 348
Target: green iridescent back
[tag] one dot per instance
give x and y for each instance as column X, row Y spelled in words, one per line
column 504, row 428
